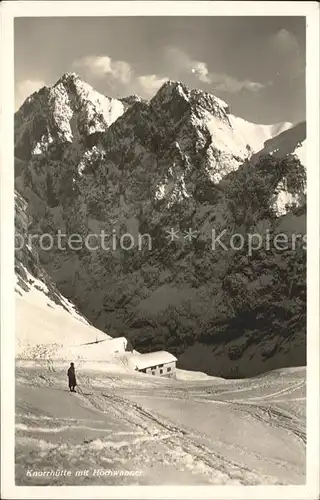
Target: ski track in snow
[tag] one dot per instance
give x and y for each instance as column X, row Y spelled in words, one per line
column 174, row 432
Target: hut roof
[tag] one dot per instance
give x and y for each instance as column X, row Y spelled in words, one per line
column 149, row 359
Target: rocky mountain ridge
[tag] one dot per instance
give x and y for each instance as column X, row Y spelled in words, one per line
column 87, row 163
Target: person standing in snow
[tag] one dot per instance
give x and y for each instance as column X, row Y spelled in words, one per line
column 72, row 377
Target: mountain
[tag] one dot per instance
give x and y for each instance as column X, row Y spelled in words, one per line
column 288, row 141
column 69, row 112
column 86, row 163
column 49, row 327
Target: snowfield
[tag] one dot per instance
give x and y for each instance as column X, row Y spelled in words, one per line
column 57, row 333
column 257, row 134
column 123, row 427
column 159, row 431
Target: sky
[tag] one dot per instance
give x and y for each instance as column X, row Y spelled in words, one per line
column 255, row 64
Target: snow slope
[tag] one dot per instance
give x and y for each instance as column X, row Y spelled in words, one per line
column 290, row 141
column 49, row 328
column 161, row 432
column 56, row 334
column 256, row 134
column 41, row 320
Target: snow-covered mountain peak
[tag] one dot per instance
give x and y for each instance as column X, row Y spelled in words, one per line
column 172, row 97
column 68, row 112
column 79, row 94
column 170, row 87
column 69, row 76
column 195, row 99
column 209, row 103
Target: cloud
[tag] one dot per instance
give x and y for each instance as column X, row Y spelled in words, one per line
column 100, row 66
column 201, row 71
column 224, row 82
column 150, row 84
column 185, row 65
column 96, row 68
column 180, row 66
column 25, row 88
column 232, row 85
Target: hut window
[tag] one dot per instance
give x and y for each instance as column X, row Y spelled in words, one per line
column 161, row 371
column 169, row 369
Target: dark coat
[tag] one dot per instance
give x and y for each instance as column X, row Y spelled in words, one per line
column 72, row 376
